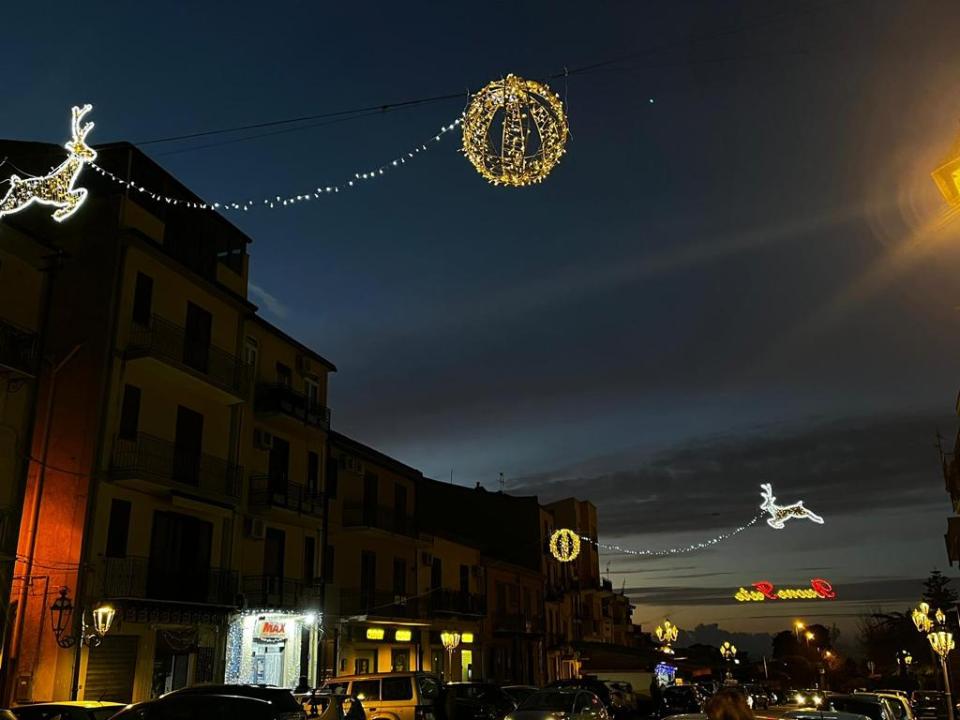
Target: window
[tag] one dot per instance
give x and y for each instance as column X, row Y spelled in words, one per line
column 188, row 444
column 143, row 300
column 313, row 394
column 130, row 413
column 197, row 338
column 331, row 479
column 251, row 353
column 399, row 576
column 367, row 689
column 284, row 375
column 464, row 579
column 313, row 473
column 398, row 688
column 118, row 529
column 309, row 558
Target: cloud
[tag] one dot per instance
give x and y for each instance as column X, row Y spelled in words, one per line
column 273, row 305
column 838, row 468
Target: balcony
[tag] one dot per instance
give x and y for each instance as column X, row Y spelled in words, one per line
column 379, row 518
column 142, row 579
column 19, row 349
column 269, row 491
column 284, row 400
column 168, row 343
column 454, row 602
column 274, row 591
column 158, row 461
column 517, row 623
column 379, row 604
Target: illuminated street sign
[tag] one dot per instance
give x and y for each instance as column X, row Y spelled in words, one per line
column 762, row 591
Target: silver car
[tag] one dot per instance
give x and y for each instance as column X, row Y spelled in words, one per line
column 560, row 704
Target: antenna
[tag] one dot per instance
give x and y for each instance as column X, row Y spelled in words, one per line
column 501, row 482
column 451, row 476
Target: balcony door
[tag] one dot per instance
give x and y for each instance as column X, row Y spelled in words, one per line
column 371, row 487
column 274, row 549
column 179, row 565
column 187, row 447
column 279, row 466
column 196, row 345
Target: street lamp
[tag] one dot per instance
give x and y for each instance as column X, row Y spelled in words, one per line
column 728, row 651
column 667, row 634
column 798, row 626
column 450, row 641
column 940, row 639
column 61, row 613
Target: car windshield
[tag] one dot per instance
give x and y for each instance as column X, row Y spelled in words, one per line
column 872, row 710
column 548, row 701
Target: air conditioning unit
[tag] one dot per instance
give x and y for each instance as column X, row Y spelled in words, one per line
column 303, row 365
column 256, row 528
column 262, row 439
column 399, row 599
column 426, row 558
column 477, row 571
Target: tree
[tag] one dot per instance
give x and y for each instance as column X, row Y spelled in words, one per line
column 938, row 593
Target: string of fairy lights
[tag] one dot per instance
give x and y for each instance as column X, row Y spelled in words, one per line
column 280, row 201
column 679, row 550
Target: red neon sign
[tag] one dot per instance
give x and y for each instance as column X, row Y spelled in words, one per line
column 819, row 589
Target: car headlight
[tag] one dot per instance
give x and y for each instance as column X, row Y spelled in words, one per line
column 799, row 698
column 817, row 700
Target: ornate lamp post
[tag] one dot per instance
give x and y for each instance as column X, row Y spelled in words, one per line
column 667, row 634
column 904, row 661
column 728, row 652
column 61, row 614
column 940, row 639
column 798, row 627
column 451, row 640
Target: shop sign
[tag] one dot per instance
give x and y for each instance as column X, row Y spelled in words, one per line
column 762, row 591
column 271, row 630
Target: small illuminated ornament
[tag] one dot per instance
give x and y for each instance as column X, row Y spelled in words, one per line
column 565, row 545
column 56, row 187
column 514, row 131
column 779, row 514
column 947, row 175
column 728, row 650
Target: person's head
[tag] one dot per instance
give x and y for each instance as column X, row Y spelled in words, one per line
column 728, row 704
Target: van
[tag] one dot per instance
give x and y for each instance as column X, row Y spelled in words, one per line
column 389, row 696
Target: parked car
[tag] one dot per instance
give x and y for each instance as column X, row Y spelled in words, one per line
column 679, row 700
column 71, row 710
column 811, row 697
column 519, row 693
column 929, row 704
column 479, row 701
column 390, row 696
column 623, row 691
column 821, row 715
column 203, row 706
column 280, row 698
column 902, row 708
column 874, row 707
column 561, row 703
column 757, row 697
column 598, row 688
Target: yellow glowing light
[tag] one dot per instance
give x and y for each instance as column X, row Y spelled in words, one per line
column 514, row 131
column 728, row 650
column 921, row 618
column 800, row 626
column 667, row 633
column 947, row 175
column 565, row 545
column 810, row 635
column 56, row 187
column 403, row 635
column 375, row 633
column 942, row 642
column 466, row 638
column 450, row 640
column 103, row 619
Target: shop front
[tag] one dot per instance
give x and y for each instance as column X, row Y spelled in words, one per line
column 273, row 648
column 380, row 647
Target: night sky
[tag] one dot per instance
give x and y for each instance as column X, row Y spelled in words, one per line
column 728, row 280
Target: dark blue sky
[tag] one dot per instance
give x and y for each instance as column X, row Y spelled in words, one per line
column 729, row 285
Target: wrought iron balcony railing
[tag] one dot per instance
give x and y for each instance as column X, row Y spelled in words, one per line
column 169, row 342
column 268, row 491
column 274, row 591
column 379, row 517
column 379, row 603
column 154, row 579
column 151, row 458
column 19, row 348
column 280, row 398
column 455, row 602
column 517, row 623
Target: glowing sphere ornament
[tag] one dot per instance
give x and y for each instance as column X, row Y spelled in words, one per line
column 56, row 187
column 565, row 545
column 514, row 131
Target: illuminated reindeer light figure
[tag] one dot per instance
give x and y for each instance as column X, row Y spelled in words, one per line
column 779, row 514
column 56, row 187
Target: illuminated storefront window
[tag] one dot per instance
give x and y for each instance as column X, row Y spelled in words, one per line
column 265, row 648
